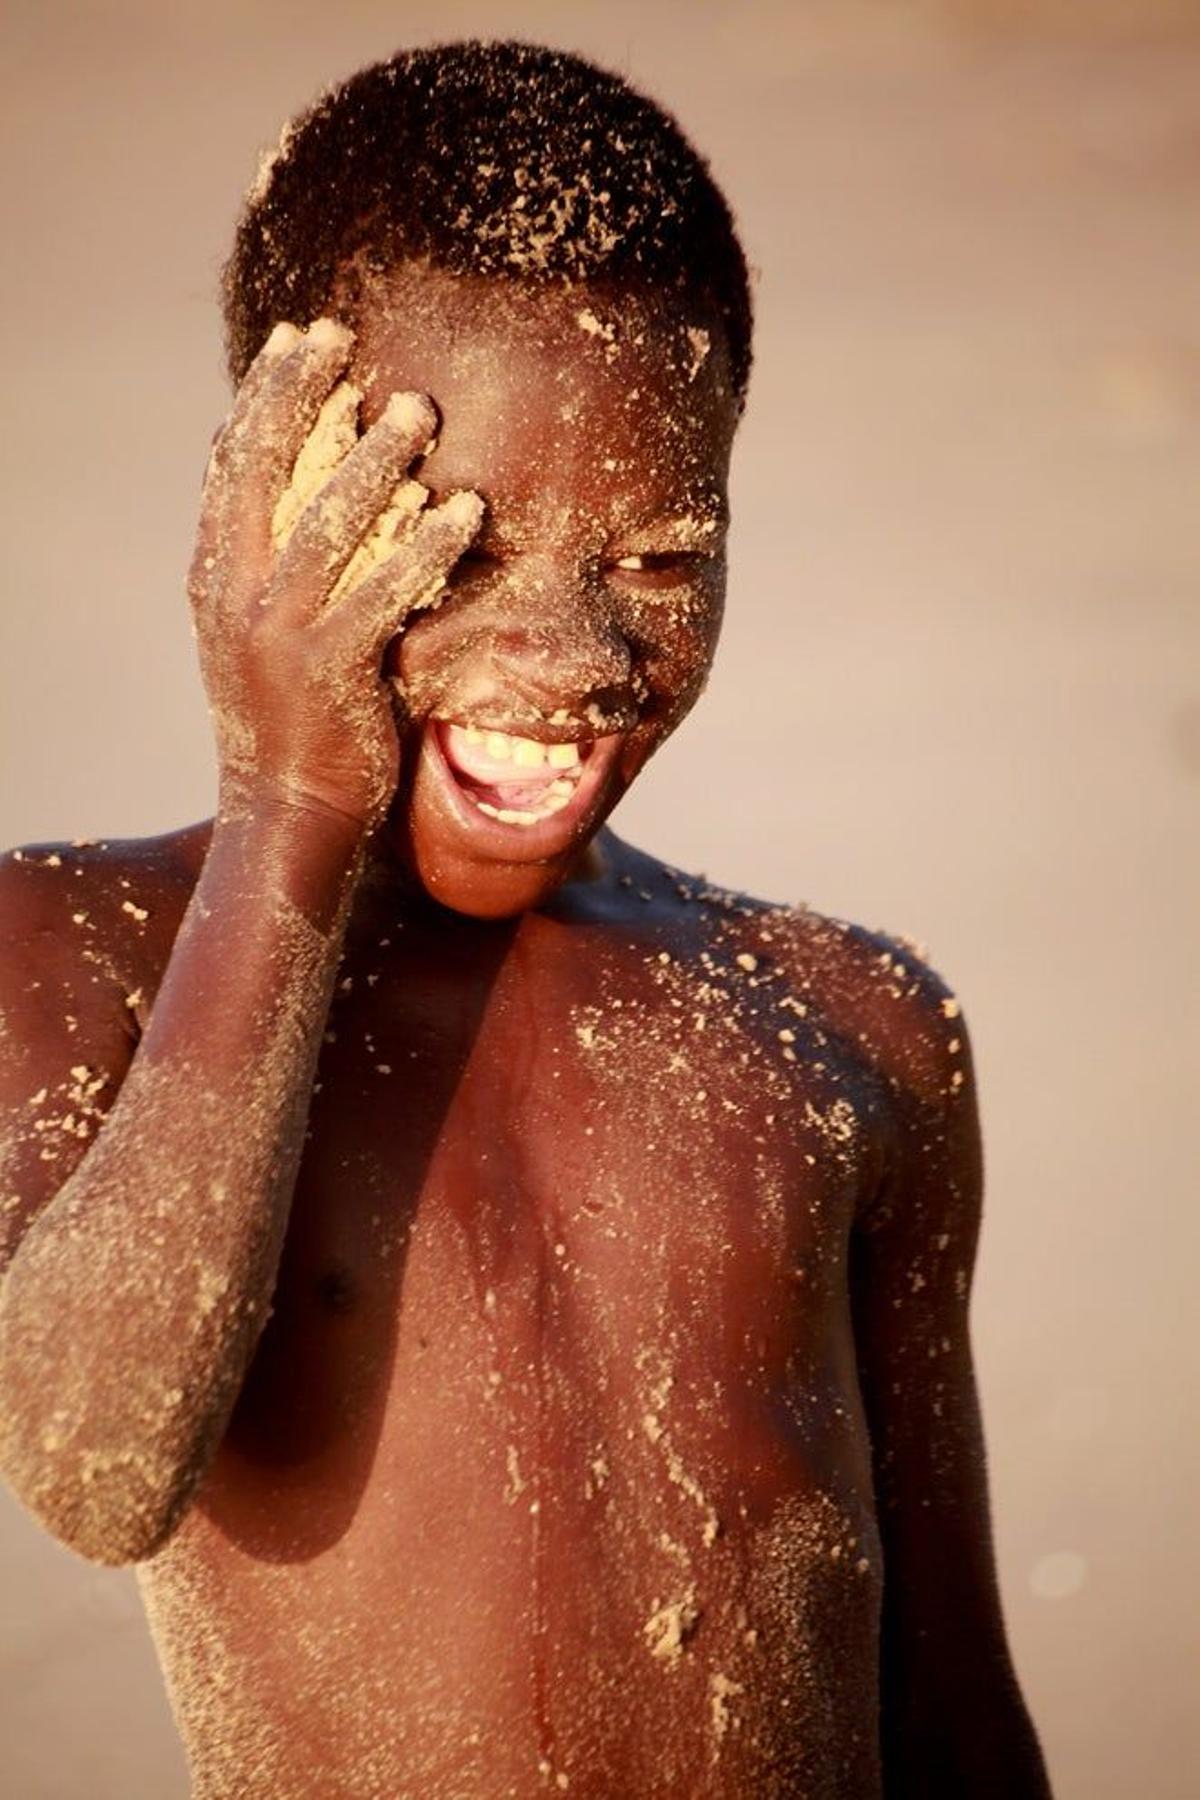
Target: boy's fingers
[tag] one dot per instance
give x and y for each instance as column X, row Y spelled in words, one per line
column 272, row 416
column 333, row 523
column 412, row 576
column 281, row 339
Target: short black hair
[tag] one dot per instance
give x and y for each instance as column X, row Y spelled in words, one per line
column 504, row 159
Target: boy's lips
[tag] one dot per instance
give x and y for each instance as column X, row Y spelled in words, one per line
column 520, row 798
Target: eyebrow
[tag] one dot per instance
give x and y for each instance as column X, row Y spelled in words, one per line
column 706, row 511
column 707, row 505
column 707, row 516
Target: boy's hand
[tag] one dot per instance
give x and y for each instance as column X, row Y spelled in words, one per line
column 301, row 712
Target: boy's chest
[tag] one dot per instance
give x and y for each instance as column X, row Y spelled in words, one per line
column 559, row 1391
column 585, row 1175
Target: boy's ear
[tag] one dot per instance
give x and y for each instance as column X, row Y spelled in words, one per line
column 349, row 284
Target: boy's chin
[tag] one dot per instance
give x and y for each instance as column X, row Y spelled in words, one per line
column 434, row 857
column 483, row 888
column 492, row 891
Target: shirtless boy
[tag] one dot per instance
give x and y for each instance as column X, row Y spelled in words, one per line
column 507, row 1298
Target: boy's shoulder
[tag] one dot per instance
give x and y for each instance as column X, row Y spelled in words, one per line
column 877, row 991
column 85, row 929
column 114, row 904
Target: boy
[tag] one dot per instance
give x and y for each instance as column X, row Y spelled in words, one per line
column 507, row 1298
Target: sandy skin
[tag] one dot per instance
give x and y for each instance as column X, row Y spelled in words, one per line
column 613, row 1429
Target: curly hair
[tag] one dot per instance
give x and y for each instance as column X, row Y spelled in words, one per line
column 503, row 159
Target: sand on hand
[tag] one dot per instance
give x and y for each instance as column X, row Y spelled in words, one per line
column 332, row 437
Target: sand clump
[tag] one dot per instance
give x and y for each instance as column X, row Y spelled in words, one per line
column 670, row 1624
column 721, row 1690
column 333, row 436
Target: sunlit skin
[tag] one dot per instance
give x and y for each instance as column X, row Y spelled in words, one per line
column 614, row 1429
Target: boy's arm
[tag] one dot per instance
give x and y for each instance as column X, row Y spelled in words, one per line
column 130, row 1310
column 953, row 1720
column 143, row 1228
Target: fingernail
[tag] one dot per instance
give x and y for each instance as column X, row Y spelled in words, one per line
column 409, row 413
column 284, row 337
column 465, row 508
column 329, row 334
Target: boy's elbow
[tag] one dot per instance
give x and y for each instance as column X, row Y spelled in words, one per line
column 78, row 1468
column 111, row 1508
column 118, row 1535
column 81, row 1454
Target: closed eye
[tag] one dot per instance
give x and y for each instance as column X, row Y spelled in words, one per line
column 473, row 561
column 645, row 570
column 664, row 569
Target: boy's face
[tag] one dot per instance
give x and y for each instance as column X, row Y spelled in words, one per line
column 581, row 625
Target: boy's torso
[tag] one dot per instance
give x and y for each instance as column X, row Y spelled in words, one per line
column 550, row 1471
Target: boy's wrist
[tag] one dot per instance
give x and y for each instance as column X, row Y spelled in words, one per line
column 310, row 850
column 243, row 802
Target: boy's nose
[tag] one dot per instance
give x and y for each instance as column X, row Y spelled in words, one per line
column 579, row 664
column 486, row 656
column 571, row 656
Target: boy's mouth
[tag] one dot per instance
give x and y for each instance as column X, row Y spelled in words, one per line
column 518, row 780
column 520, row 799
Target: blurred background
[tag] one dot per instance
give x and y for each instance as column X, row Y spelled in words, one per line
column 959, row 694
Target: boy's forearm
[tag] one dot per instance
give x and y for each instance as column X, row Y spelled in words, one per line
column 129, row 1314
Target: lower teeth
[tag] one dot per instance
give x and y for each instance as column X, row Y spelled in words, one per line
column 511, row 816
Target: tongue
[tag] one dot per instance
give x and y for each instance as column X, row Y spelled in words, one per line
column 520, row 795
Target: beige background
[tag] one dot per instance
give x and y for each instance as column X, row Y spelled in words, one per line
column 959, row 695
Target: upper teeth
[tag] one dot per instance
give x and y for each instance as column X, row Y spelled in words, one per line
column 527, row 753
